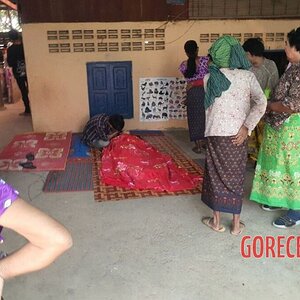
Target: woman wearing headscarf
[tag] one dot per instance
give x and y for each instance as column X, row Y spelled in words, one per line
column 276, row 183
column 194, row 69
column 234, row 103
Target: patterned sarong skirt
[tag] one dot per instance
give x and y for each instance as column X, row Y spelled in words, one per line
column 223, row 185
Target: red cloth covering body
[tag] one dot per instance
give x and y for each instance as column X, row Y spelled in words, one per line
column 133, row 163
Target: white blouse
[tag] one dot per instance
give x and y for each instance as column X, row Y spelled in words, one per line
column 244, row 103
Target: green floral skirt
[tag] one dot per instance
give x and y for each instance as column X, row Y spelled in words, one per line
column 277, row 175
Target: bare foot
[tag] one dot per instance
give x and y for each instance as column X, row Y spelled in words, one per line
column 238, row 230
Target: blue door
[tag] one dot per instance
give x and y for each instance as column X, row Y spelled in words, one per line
column 110, row 88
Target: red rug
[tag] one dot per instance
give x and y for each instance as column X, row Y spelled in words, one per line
column 104, row 192
column 50, row 151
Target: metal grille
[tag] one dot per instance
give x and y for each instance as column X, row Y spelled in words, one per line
column 269, row 38
column 243, row 9
column 104, row 40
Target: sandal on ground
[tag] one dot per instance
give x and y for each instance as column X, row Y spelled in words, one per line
column 272, row 208
column 285, row 222
column 242, row 227
column 197, row 150
column 209, row 222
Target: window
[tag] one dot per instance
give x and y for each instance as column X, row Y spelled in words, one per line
column 243, row 9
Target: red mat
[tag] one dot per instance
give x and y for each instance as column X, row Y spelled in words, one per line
column 50, row 149
column 104, row 192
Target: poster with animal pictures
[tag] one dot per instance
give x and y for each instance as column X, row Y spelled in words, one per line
column 162, row 99
column 177, row 109
column 154, row 96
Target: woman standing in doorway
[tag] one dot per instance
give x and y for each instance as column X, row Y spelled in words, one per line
column 194, row 69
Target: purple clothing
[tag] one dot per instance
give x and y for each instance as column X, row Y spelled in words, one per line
column 201, row 68
column 7, row 196
column 97, row 128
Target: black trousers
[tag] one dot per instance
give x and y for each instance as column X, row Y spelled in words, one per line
column 23, row 86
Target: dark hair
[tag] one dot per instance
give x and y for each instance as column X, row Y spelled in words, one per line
column 117, row 122
column 190, row 48
column 294, row 38
column 13, row 35
column 254, row 46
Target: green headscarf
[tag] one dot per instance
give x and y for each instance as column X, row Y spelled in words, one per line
column 226, row 52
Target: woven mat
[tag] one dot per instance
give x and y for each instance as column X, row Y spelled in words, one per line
column 108, row 193
column 200, row 162
column 75, row 178
column 146, row 132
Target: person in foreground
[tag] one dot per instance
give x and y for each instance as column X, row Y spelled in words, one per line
column 100, row 129
column 194, row 69
column 234, row 103
column 276, row 182
column 47, row 239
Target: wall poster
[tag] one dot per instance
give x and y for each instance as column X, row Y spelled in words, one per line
column 161, row 99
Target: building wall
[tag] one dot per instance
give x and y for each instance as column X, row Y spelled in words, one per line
column 58, row 81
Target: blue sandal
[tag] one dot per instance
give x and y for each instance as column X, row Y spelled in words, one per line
column 285, row 222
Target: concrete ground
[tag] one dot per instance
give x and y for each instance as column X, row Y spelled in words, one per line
column 145, row 249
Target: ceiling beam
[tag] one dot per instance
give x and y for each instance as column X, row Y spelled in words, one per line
column 9, row 4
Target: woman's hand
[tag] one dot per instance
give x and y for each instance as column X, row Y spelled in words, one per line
column 241, row 136
column 278, row 107
column 112, row 135
column 189, row 86
column 268, row 108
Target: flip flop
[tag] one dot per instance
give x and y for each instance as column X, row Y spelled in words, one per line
column 197, row 150
column 208, row 221
column 242, row 227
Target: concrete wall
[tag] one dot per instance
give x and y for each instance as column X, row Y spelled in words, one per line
column 58, row 81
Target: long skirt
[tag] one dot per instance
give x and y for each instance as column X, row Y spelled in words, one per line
column 277, row 175
column 196, row 113
column 224, row 175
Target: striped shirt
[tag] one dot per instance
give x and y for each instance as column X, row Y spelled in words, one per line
column 97, row 128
